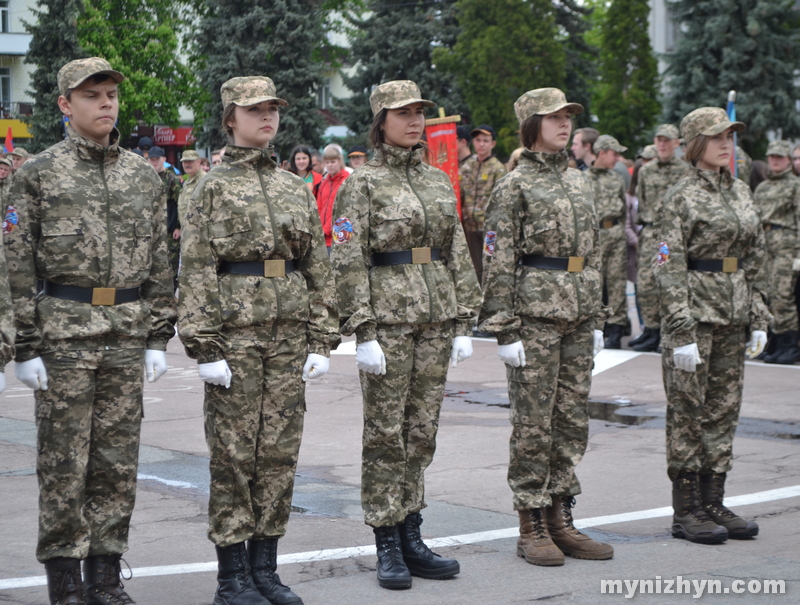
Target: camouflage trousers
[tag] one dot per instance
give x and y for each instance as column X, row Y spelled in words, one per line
column 703, row 406
column 549, row 410
column 475, row 241
column 88, row 423
column 253, row 430
column 614, row 268
column 174, row 250
column 646, row 284
column 401, row 418
column 782, row 248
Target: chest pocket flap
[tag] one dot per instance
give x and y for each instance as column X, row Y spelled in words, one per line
column 230, row 226
column 55, row 227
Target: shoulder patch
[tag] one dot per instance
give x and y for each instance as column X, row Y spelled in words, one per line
column 342, row 230
column 663, row 253
column 11, row 220
column 489, row 243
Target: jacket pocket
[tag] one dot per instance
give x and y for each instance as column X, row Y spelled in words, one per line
column 232, row 238
column 141, row 245
column 64, row 247
column 540, row 235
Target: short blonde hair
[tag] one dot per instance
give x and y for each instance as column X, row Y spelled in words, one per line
column 334, row 152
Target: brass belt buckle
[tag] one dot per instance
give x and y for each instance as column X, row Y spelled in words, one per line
column 768, row 227
column 274, row 268
column 104, row 296
column 575, row 264
column 420, row 256
column 730, row 265
column 607, row 224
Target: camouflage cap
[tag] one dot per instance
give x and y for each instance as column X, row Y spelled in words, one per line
column 75, row 72
column 396, row 94
column 668, row 130
column 6, row 161
column 780, row 147
column 606, row 141
column 189, row 155
column 543, row 101
column 707, row 121
column 249, row 90
column 649, row 152
column 20, row 152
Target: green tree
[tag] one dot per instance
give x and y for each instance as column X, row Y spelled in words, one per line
column 54, row 43
column 580, row 55
column 276, row 38
column 505, row 48
column 626, row 97
column 751, row 46
column 388, row 42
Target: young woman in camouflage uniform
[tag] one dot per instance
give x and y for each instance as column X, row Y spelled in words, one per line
column 710, row 271
column 407, row 289
column 257, row 311
column 542, row 299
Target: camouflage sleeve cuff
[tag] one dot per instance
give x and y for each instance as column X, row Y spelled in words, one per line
column 210, row 356
column 678, row 339
column 156, row 345
column 464, row 327
column 366, row 332
column 319, row 348
column 507, row 338
column 25, row 355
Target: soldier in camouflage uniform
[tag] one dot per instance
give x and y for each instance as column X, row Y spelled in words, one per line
column 92, row 232
column 655, row 178
column 408, row 291
column 190, row 160
column 257, row 311
column 5, row 182
column 610, row 205
column 6, row 320
column 172, row 187
column 478, row 176
column 543, row 301
column 711, row 271
column 778, row 203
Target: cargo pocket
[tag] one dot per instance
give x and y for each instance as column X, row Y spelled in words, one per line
column 63, row 248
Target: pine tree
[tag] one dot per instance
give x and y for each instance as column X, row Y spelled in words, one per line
column 751, row 46
column 626, row 97
column 505, row 48
column 275, row 38
column 573, row 20
column 54, row 43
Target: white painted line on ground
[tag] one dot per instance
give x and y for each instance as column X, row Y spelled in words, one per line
column 170, row 482
column 608, row 358
column 330, row 554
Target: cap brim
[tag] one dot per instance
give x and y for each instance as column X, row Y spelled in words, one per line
column 573, row 108
column 480, row 131
column 258, row 100
column 112, row 73
column 350, row 155
column 722, row 127
column 407, row 102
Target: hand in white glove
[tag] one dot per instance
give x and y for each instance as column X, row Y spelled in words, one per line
column 216, row 372
column 32, row 373
column 687, row 357
column 315, row 366
column 796, row 264
column 155, row 364
column 462, row 349
column 758, row 340
column 370, row 358
column 599, row 342
column 512, row 355
column 2, row 382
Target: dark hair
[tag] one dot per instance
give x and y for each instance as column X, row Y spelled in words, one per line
column 635, row 176
column 299, row 149
column 695, row 149
column 376, row 138
column 758, row 173
column 588, row 136
column 228, row 116
column 529, row 131
column 95, row 79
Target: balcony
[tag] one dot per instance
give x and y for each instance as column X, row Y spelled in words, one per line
column 15, row 44
column 10, row 110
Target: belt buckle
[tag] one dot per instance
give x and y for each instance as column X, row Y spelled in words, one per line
column 575, row 264
column 607, row 224
column 420, row 256
column 767, row 227
column 274, row 268
column 104, row 296
column 730, row 264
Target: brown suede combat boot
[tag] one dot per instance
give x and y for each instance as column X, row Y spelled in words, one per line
column 690, row 521
column 568, row 538
column 534, row 543
column 712, row 491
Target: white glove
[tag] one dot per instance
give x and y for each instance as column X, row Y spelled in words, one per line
column 32, row 373
column 462, row 349
column 370, row 358
column 512, row 355
column 2, row 382
column 216, row 372
column 315, row 366
column 155, row 364
column 599, row 342
column 687, row 357
column 796, row 264
column 758, row 340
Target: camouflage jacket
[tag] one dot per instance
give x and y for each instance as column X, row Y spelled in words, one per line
column 477, row 179
column 248, row 209
column 655, row 178
column 89, row 216
column 187, row 190
column 6, row 314
column 609, row 193
column 778, row 202
column 545, row 208
column 395, row 202
column 710, row 215
column 172, row 187
column 4, row 187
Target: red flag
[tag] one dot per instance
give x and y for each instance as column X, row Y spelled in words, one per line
column 8, row 146
column 443, row 149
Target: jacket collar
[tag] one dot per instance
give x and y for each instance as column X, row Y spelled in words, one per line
column 542, row 161
column 779, row 176
column 398, row 157
column 716, row 180
column 250, row 155
column 89, row 151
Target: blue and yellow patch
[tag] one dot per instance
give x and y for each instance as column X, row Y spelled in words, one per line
column 342, row 230
column 489, row 243
column 663, row 253
column 11, row 220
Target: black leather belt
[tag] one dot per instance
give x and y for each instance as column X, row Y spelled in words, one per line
column 773, row 227
column 415, row 256
column 572, row 264
column 264, row 268
column 715, row 265
column 92, row 296
column 646, row 224
column 609, row 222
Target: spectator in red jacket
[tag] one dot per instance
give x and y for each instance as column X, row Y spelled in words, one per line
column 333, row 158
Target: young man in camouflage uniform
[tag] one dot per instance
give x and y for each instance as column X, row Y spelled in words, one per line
column 190, row 160
column 18, row 157
column 92, row 233
column 6, row 320
column 609, row 199
column 655, row 178
column 778, row 203
column 172, row 187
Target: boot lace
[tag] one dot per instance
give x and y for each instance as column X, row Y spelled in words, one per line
column 566, row 505
column 69, row 586
column 390, row 547
column 538, row 526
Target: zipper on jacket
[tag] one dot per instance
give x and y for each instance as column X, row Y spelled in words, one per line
column 108, row 238
column 424, row 236
column 274, row 238
column 738, row 234
column 573, row 276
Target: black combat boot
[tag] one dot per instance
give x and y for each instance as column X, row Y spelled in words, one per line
column 791, row 352
column 651, row 344
column 421, row 560
column 104, row 582
column 392, row 570
column 64, row 585
column 613, row 336
column 263, row 556
column 781, row 341
column 690, row 520
column 644, row 335
column 712, row 491
column 235, row 584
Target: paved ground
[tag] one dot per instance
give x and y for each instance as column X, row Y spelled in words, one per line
column 622, row 474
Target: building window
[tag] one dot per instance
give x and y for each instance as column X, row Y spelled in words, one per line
column 5, row 91
column 4, row 16
column 324, row 97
